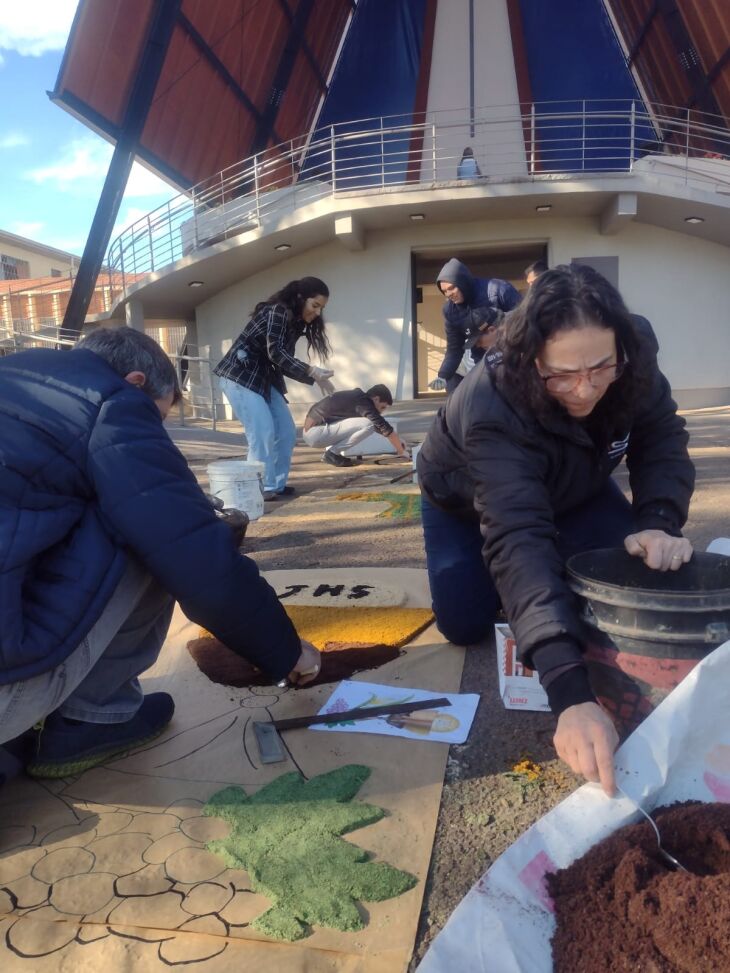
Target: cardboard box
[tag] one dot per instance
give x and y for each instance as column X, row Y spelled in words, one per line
column 519, row 686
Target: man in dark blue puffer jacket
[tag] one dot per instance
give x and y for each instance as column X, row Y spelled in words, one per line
column 469, row 306
column 102, row 528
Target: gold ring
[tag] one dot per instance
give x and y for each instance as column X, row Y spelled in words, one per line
column 676, row 557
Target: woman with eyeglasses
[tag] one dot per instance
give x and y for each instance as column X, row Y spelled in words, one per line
column 251, row 374
column 515, row 475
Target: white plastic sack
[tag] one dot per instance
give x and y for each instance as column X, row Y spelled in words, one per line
column 680, row 752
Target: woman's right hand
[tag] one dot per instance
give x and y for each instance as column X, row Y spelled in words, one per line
column 586, row 739
column 320, row 374
column 308, row 665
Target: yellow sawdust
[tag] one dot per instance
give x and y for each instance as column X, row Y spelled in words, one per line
column 528, row 769
column 369, row 626
column 382, row 626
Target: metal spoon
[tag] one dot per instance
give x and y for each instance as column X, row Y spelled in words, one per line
column 669, row 859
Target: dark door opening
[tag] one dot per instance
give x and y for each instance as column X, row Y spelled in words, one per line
column 507, row 261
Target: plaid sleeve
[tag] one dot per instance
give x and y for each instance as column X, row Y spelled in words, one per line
column 276, row 335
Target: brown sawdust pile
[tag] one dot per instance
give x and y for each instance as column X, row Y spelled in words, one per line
column 620, row 909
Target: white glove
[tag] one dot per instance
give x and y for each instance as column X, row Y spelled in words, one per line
column 319, row 374
column 326, row 387
column 438, row 384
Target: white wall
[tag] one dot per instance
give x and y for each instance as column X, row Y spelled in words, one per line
column 369, row 293
column 495, row 87
column 682, row 285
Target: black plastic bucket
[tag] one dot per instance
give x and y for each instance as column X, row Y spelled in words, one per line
column 647, row 629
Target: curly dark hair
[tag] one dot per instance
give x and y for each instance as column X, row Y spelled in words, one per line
column 563, row 299
column 294, row 295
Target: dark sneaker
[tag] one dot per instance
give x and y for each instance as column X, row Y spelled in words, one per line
column 335, row 459
column 68, row 747
column 287, row 491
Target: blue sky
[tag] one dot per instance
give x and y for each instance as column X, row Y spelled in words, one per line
column 52, row 167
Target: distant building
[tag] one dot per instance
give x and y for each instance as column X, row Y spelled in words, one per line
column 22, row 259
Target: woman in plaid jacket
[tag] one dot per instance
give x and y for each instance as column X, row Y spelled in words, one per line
column 251, row 374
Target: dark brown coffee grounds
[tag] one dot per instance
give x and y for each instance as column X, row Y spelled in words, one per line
column 339, row 661
column 619, row 909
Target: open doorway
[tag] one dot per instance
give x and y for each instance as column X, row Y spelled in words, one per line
column 507, row 261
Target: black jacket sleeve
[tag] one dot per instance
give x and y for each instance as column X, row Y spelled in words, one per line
column 510, row 471
column 364, row 406
column 150, row 500
column 277, row 328
column 661, row 473
column 455, row 339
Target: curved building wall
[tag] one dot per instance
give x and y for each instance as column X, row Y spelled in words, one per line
column 683, row 289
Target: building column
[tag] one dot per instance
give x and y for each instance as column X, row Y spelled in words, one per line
column 134, row 315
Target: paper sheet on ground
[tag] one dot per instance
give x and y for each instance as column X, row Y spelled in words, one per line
column 110, row 870
column 445, row 724
column 681, row 752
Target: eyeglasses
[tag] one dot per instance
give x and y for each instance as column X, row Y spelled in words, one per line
column 598, row 378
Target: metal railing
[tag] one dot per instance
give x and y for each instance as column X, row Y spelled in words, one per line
column 189, row 374
column 12, row 340
column 535, row 142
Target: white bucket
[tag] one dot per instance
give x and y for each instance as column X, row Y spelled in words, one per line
column 239, row 484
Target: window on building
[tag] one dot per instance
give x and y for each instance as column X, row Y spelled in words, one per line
column 13, row 269
column 56, row 273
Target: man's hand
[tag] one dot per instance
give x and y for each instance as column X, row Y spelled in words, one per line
column 308, row 665
column 325, row 386
column 437, row 385
column 659, row 550
column 586, row 739
column 404, row 452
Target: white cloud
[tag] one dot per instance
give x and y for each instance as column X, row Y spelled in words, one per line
column 84, row 159
column 32, row 231
column 83, row 165
column 142, row 182
column 13, row 140
column 126, row 217
column 36, row 26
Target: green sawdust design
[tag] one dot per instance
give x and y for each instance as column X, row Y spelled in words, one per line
column 402, row 506
column 287, row 838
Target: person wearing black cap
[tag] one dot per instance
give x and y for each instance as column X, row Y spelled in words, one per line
column 469, row 303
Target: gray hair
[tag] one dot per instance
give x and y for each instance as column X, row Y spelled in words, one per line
column 127, row 350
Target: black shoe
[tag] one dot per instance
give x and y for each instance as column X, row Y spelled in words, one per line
column 287, row 491
column 69, row 747
column 336, row 459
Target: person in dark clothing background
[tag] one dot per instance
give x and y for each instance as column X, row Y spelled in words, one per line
column 515, row 475
column 468, row 167
column 344, row 419
column 102, row 528
column 468, row 302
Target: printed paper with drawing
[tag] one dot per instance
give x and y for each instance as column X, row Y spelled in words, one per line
column 445, row 724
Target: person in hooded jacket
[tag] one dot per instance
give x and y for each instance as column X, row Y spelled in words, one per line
column 468, row 302
column 515, row 475
column 102, row 528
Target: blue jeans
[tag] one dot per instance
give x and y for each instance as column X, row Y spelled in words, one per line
column 270, row 430
column 463, row 595
column 98, row 682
